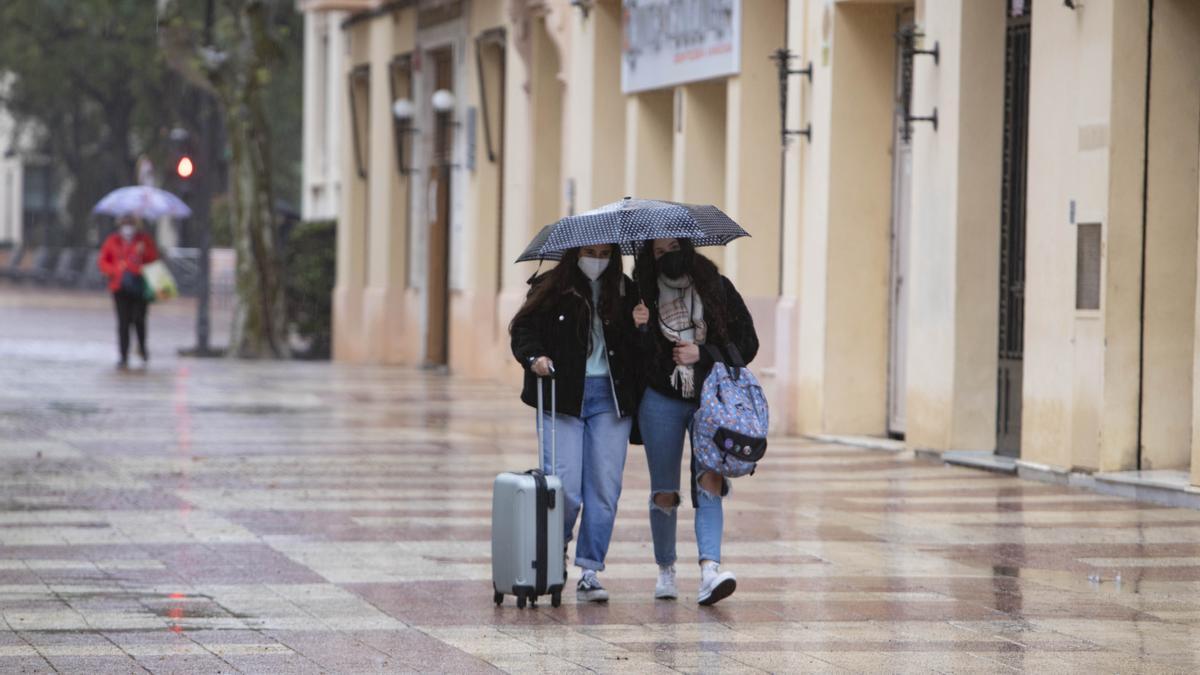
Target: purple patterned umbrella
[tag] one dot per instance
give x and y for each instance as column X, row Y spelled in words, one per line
column 146, row 202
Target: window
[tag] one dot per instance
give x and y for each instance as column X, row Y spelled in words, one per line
column 360, row 102
column 1087, row 266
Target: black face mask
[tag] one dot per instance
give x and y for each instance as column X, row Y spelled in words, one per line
column 673, row 264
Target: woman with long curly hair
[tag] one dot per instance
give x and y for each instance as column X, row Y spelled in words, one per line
column 686, row 303
column 576, row 326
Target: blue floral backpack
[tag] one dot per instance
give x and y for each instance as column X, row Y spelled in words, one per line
column 730, row 434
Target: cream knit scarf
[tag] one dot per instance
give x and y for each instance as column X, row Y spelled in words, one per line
column 681, row 319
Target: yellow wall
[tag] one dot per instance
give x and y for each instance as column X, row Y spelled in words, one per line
column 595, row 121
column 648, row 149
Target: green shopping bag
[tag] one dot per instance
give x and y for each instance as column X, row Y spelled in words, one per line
column 160, row 284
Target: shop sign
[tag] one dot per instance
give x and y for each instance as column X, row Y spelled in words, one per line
column 672, row 42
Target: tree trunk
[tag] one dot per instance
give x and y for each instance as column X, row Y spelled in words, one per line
column 260, row 320
column 236, row 70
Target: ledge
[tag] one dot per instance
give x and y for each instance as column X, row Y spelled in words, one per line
column 336, row 5
column 981, row 459
column 1042, row 472
column 1163, row 487
column 1169, row 488
column 870, row 442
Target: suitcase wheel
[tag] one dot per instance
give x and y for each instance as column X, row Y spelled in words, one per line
column 520, row 601
column 556, row 598
column 498, row 598
column 532, row 600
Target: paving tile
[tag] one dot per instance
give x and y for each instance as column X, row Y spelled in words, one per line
column 299, row 517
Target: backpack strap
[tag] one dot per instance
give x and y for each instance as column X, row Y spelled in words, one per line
column 733, row 361
column 735, row 356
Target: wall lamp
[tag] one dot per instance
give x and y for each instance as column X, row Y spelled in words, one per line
column 443, row 102
column 907, row 38
column 783, row 63
column 404, row 111
column 585, row 6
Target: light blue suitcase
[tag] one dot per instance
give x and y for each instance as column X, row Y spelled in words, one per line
column 527, row 526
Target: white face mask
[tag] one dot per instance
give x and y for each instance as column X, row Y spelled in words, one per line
column 127, row 231
column 593, row 267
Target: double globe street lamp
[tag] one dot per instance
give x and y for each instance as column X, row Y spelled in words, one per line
column 405, row 111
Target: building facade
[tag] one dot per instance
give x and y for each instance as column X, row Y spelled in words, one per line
column 321, row 170
column 974, row 222
column 11, row 180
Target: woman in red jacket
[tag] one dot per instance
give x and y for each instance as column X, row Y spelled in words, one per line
column 121, row 260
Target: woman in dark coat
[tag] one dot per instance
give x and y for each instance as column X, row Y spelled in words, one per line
column 687, row 303
column 576, row 326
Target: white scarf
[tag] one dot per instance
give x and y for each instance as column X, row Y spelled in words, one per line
column 681, row 319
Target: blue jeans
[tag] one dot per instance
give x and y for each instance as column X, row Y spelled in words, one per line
column 663, row 421
column 590, row 459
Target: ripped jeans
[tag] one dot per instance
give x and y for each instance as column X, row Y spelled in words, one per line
column 663, row 421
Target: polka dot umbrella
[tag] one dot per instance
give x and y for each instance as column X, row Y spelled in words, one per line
column 630, row 221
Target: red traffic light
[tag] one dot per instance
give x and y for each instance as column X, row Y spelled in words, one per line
column 185, row 168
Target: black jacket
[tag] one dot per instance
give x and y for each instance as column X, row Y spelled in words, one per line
column 656, row 349
column 553, row 331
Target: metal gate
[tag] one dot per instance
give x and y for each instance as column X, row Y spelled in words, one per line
column 901, row 224
column 1012, row 230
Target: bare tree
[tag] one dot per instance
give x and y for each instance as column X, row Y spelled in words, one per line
column 229, row 51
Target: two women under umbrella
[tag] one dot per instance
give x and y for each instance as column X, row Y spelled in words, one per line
column 623, row 350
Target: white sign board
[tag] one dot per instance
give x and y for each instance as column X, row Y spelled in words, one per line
column 671, row 42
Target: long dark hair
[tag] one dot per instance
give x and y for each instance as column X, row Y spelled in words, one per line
column 567, row 284
column 705, row 276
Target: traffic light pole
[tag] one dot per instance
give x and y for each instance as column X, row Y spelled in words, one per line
column 206, row 159
column 207, row 153
column 207, row 140
column 202, row 321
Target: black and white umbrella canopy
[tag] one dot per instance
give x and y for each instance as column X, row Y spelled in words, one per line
column 630, row 221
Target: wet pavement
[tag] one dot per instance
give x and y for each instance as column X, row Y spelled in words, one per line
column 217, row 516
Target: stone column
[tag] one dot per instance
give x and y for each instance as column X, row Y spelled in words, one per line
column 752, row 170
column 841, row 371
column 953, row 278
column 348, row 339
column 1121, row 296
column 1171, row 216
column 787, row 313
column 388, row 197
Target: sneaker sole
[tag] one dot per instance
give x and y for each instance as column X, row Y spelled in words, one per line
column 722, row 591
column 661, row 595
column 587, row 597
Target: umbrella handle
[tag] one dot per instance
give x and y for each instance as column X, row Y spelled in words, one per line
column 644, row 328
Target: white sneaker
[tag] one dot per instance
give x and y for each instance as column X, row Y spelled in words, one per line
column 664, row 588
column 589, row 588
column 715, row 585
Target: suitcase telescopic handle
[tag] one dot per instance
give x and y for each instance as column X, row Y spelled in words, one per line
column 541, row 422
